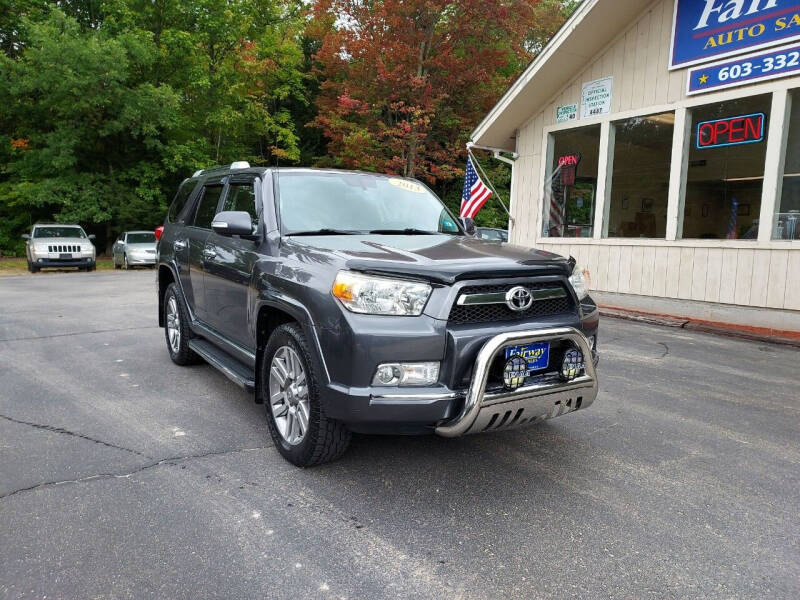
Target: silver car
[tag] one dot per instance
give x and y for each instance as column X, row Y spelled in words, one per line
column 56, row 245
column 134, row 249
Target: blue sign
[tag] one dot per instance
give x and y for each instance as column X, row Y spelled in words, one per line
column 770, row 64
column 706, row 30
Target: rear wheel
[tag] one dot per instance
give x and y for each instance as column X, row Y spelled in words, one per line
column 297, row 423
column 176, row 328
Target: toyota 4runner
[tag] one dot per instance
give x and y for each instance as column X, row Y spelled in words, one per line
column 355, row 302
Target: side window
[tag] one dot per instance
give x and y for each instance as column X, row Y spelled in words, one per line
column 208, row 206
column 180, row 200
column 241, row 196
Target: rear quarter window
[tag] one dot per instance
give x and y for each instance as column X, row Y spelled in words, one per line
column 180, row 200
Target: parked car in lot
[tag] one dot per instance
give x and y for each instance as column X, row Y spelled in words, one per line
column 134, row 249
column 57, row 245
column 491, row 233
column 350, row 301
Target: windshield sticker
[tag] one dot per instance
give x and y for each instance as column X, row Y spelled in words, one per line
column 409, row 186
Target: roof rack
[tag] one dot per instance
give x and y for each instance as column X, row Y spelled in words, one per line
column 239, row 164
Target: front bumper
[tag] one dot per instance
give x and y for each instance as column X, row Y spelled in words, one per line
column 64, row 262
column 452, row 412
column 137, row 260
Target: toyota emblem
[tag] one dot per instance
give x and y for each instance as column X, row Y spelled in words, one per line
column 519, row 298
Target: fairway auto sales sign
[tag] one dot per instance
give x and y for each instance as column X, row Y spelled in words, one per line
column 705, row 30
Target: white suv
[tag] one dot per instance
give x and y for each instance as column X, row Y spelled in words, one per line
column 55, row 245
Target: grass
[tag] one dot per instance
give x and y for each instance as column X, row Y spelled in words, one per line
column 18, row 266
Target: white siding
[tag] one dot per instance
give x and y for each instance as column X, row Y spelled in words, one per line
column 751, row 274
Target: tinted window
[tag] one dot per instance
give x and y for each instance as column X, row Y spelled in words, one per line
column 180, row 200
column 208, row 206
column 242, row 197
column 58, row 232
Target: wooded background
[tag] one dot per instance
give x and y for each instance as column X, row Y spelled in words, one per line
column 107, row 105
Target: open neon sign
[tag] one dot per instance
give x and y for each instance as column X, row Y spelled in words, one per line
column 731, row 131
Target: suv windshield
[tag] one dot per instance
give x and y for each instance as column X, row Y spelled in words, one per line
column 141, row 238
column 58, row 232
column 359, row 203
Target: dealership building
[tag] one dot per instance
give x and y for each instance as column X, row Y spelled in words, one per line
column 659, row 144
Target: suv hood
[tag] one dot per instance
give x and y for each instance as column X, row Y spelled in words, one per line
column 440, row 258
column 61, row 240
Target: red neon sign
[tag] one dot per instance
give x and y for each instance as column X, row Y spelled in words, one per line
column 569, row 160
column 569, row 166
column 731, row 131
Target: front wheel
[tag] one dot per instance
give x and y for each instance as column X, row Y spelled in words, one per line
column 290, row 383
column 176, row 328
column 125, row 264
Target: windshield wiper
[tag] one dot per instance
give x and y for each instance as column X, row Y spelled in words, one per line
column 325, row 231
column 406, row 231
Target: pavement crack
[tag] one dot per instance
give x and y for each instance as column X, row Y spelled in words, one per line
column 74, row 333
column 63, row 431
column 666, row 350
column 171, row 461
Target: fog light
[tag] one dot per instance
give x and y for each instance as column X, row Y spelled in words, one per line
column 515, row 372
column 422, row 373
column 572, row 364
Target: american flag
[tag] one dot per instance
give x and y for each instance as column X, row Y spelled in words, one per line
column 475, row 193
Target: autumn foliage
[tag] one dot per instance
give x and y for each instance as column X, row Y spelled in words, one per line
column 405, row 81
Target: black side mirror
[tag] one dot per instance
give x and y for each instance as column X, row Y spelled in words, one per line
column 26, row 236
column 233, row 222
column 92, row 237
column 468, row 224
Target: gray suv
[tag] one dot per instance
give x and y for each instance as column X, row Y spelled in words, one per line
column 355, row 302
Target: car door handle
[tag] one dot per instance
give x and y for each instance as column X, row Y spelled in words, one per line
column 179, row 245
column 209, row 254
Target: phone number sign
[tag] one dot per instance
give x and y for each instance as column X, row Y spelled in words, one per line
column 744, row 70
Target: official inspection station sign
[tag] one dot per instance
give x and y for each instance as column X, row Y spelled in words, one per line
column 596, row 97
column 761, row 66
column 708, row 30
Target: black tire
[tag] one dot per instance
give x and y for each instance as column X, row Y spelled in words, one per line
column 125, row 264
column 179, row 352
column 325, row 439
column 34, row 269
column 30, row 267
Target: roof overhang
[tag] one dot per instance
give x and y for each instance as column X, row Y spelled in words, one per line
column 592, row 26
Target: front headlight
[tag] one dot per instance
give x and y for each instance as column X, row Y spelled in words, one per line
column 40, row 250
column 373, row 295
column 580, row 281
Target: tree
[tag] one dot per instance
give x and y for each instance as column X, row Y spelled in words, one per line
column 403, row 82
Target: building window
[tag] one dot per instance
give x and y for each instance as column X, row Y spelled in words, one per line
column 787, row 223
column 640, row 176
column 725, row 173
column 570, row 190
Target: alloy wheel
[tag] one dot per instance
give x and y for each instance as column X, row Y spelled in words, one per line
column 288, row 395
column 173, row 325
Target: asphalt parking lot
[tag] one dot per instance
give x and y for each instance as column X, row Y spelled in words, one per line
column 125, row 476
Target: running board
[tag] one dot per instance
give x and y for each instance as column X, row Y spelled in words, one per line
column 221, row 360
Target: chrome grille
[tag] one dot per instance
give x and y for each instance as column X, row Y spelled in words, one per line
column 486, row 313
column 64, row 248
